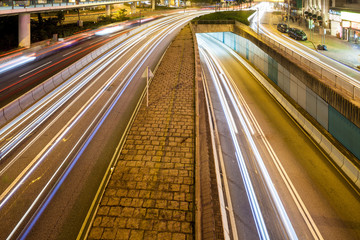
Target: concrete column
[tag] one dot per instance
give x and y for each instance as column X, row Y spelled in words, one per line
column 108, row 10
column 24, row 30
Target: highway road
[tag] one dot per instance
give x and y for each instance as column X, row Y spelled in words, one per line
column 50, row 60
column 55, row 155
column 277, row 183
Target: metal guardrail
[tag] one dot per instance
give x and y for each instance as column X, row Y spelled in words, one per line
column 8, row 5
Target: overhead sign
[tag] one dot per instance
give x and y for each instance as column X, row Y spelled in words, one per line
column 336, row 18
column 350, row 16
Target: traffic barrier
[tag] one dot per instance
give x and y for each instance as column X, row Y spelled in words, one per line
column 12, row 111
column 2, row 117
column 327, row 75
column 26, row 100
column 58, row 79
column 348, row 87
column 38, row 92
column 351, row 171
column 72, row 69
column 48, row 86
column 65, row 74
column 89, row 59
column 79, row 65
column 326, row 144
column 337, row 156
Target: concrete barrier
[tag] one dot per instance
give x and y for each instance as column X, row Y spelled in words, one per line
column 2, row 117
column 351, row 171
column 12, row 111
column 26, row 100
column 337, row 156
column 79, row 65
column 58, row 79
column 315, row 69
column 326, row 144
column 65, row 74
column 328, row 76
column 72, row 70
column 348, row 87
column 48, row 86
column 38, row 92
column 297, row 56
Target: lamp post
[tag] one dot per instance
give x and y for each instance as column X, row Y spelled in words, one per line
column 288, row 17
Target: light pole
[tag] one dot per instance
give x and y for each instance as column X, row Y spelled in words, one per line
column 288, row 17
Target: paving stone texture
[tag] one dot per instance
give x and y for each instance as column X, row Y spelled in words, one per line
column 151, row 192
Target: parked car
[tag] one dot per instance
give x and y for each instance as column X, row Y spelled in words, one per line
column 297, row 34
column 282, row 28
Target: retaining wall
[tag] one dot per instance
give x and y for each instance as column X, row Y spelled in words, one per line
column 302, row 91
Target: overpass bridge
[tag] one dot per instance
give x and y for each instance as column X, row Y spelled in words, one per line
column 24, row 8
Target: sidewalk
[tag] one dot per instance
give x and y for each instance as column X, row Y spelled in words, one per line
column 151, row 192
column 338, row 49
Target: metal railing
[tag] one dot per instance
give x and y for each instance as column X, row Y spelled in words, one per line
column 8, row 5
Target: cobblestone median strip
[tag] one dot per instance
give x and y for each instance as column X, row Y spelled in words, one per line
column 151, row 192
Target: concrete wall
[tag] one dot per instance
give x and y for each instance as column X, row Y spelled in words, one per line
column 301, row 95
column 331, row 88
column 326, row 115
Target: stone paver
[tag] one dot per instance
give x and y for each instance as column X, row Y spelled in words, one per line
column 151, row 192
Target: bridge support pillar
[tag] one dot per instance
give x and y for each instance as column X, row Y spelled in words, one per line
column 108, row 10
column 24, row 30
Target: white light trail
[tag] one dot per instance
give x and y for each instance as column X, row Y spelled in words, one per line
column 150, row 46
column 246, row 126
column 17, row 62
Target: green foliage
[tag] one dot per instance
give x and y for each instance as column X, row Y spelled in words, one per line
column 60, row 16
column 120, row 15
column 240, row 16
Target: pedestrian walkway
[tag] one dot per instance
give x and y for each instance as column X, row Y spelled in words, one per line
column 338, row 49
column 151, row 192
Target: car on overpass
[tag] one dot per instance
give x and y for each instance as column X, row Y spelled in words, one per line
column 281, row 27
column 297, row 34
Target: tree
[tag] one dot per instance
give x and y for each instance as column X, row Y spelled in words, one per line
column 60, row 17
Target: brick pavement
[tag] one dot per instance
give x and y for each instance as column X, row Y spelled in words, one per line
column 151, row 192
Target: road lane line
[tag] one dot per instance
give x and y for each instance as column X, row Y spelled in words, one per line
column 35, row 69
column 71, row 52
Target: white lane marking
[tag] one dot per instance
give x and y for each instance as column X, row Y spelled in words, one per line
column 71, row 52
column 35, row 69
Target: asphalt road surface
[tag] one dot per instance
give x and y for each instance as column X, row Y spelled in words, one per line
column 55, row 155
column 254, row 131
